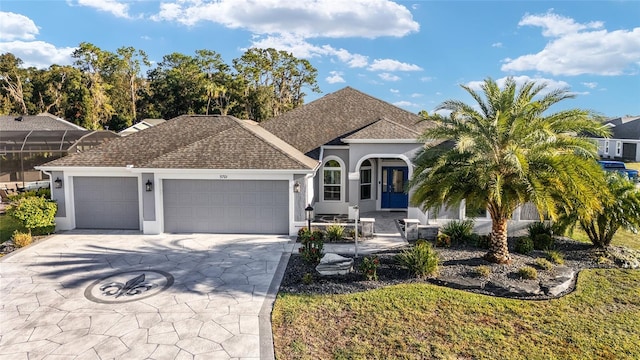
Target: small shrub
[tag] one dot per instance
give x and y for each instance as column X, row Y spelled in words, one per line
column 43, row 230
column 528, row 272
column 538, row 228
column 555, row 257
column 33, row 211
column 335, row 233
column 544, row 264
column 524, row 245
column 443, row 240
column 482, row 241
column 307, row 278
column 369, row 267
column 482, row 271
column 460, row 231
column 303, row 233
column 421, row 260
column 421, row 242
column 543, row 242
column 312, row 246
column 21, row 239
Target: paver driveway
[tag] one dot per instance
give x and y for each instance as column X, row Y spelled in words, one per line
column 91, row 295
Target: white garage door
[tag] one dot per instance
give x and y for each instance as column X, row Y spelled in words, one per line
column 106, row 202
column 226, row 206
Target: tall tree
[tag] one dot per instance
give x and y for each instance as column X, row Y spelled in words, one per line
column 12, row 79
column 506, row 151
column 130, row 62
column 177, row 85
column 273, row 82
column 96, row 65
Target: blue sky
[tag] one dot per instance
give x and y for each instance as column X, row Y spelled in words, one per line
column 414, row 54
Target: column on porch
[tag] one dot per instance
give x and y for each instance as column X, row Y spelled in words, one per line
column 354, row 191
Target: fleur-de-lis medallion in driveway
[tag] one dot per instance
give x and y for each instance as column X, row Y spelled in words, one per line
column 128, row 286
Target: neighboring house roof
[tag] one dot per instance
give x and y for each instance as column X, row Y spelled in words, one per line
column 340, row 114
column 43, row 121
column 194, row 142
column 626, row 128
column 144, row 124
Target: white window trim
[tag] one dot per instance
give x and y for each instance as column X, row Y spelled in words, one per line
column 370, row 183
column 618, row 148
column 606, row 147
column 342, row 176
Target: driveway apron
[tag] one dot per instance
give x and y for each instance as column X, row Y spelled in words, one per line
column 123, row 295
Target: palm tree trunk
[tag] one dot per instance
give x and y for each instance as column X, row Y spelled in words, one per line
column 498, row 247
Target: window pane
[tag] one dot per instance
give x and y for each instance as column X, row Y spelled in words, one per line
column 366, row 163
column 365, row 176
column 332, row 163
column 332, row 177
column 332, row 192
column 365, row 192
column 398, row 181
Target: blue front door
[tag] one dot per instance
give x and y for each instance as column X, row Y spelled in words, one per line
column 394, row 180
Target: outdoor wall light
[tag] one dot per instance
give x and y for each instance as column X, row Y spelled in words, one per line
column 149, row 185
column 58, row 183
column 296, row 187
column 309, row 211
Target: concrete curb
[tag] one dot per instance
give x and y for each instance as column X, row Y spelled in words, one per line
column 266, row 335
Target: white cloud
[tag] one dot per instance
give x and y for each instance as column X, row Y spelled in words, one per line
column 38, row 53
column 301, row 48
column 309, row 19
column 388, row 77
column 405, row 104
column 555, row 25
column 394, row 91
column 496, row 45
column 16, row 26
column 392, row 65
column 426, row 78
column 576, row 49
column 116, row 8
column 335, row 77
column 416, row 95
column 551, row 84
column 590, row 85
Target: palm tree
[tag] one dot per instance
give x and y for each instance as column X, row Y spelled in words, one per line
column 508, row 151
column 621, row 209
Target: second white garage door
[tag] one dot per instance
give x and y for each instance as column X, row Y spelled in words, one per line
column 226, row 206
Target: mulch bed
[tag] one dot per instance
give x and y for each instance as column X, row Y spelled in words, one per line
column 455, row 262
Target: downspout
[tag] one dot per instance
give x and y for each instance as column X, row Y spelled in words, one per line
column 50, row 183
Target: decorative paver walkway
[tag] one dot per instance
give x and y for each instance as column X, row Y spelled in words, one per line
column 123, row 295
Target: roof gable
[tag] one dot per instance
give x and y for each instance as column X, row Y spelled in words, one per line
column 385, row 129
column 628, row 128
column 336, row 115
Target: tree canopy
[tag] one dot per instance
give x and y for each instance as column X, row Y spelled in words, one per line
column 109, row 89
column 507, row 150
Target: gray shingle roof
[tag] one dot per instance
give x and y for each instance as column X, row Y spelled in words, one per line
column 385, row 130
column 194, row 142
column 626, row 128
column 336, row 115
column 44, row 121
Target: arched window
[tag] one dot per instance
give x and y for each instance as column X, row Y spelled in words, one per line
column 332, row 180
column 365, row 180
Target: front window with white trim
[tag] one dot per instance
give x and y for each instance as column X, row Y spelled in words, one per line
column 332, row 181
column 618, row 148
column 606, row 147
column 365, row 180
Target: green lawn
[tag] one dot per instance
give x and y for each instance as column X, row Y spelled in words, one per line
column 621, row 238
column 634, row 165
column 600, row 320
column 7, row 227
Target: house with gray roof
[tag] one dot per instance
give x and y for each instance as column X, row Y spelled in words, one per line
column 624, row 143
column 219, row 174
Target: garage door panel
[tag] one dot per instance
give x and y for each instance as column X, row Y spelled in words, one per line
column 215, row 206
column 106, row 202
